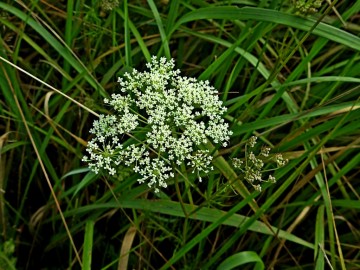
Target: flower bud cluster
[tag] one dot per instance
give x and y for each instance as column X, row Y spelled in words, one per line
column 166, row 117
column 307, row 6
column 109, row 4
column 253, row 165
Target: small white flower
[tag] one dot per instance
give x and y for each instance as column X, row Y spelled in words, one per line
column 237, row 163
column 257, row 188
column 265, row 151
column 252, row 141
column 280, row 160
column 272, row 179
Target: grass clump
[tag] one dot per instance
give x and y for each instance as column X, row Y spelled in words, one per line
column 290, row 80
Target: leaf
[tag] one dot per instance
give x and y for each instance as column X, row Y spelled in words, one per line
column 273, row 16
column 240, row 259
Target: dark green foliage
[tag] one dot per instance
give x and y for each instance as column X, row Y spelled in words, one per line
column 292, row 81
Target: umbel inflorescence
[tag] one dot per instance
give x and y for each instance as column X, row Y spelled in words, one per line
column 160, row 119
column 252, row 166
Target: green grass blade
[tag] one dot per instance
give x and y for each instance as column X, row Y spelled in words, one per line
column 127, row 35
column 249, row 13
column 68, row 36
column 319, row 239
column 164, row 40
column 173, row 13
column 137, row 36
column 197, row 213
column 62, row 50
column 88, row 245
column 190, row 244
column 241, row 258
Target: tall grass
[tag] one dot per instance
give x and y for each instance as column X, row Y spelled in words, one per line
column 291, row 79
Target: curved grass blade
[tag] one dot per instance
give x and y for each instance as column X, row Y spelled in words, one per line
column 165, row 43
column 127, row 35
column 196, row 212
column 137, row 36
column 273, row 16
column 88, row 245
column 62, row 50
column 241, row 258
column 281, row 119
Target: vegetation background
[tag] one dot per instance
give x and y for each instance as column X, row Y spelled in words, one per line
column 288, row 75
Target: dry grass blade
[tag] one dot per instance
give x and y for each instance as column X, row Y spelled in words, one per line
column 126, row 248
column 43, row 168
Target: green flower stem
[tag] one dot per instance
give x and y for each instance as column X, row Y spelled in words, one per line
column 233, row 179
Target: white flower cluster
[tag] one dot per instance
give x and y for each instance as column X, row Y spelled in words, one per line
column 252, row 168
column 166, row 116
